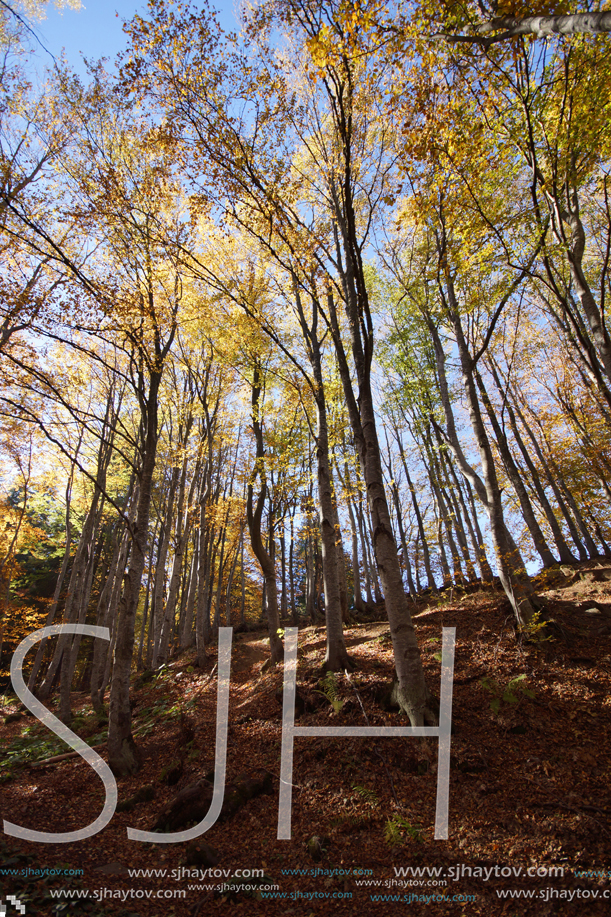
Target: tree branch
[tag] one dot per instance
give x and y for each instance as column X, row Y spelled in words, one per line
column 539, row 26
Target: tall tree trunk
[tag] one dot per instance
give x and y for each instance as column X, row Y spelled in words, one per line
column 186, row 629
column 417, row 563
column 181, row 537
column 477, row 539
column 147, row 602
column 123, row 755
column 459, row 509
column 310, row 567
column 460, row 532
column 108, row 606
column 425, row 548
column 75, row 596
column 444, row 516
column 203, row 577
column 284, row 597
column 359, row 604
column 514, row 578
column 336, row 657
column 357, row 595
column 253, row 515
column 443, row 559
column 564, row 552
column 399, row 514
column 243, row 583
column 583, row 554
column 165, row 539
column 414, row 696
column 358, row 508
column 515, row 477
column 219, row 581
column 294, row 617
column 79, row 613
column 230, row 579
column 58, row 586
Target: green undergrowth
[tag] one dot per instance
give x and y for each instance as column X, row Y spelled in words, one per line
column 511, row 693
column 37, row 743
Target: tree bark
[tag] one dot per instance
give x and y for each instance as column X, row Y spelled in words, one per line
column 254, row 514
column 539, row 26
column 415, row 699
column 123, row 755
column 186, row 629
column 399, row 514
column 165, row 539
column 475, row 531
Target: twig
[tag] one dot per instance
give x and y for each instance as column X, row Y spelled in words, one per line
column 69, row 754
column 297, row 786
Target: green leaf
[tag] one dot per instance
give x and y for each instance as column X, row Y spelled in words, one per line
column 516, row 680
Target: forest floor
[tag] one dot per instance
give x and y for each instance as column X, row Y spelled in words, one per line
column 530, row 788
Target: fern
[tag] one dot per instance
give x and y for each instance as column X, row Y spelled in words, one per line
column 396, row 829
column 330, row 690
column 369, row 796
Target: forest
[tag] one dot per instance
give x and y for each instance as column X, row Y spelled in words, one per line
column 301, row 325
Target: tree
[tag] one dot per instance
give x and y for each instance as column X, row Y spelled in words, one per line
column 254, row 513
column 341, row 82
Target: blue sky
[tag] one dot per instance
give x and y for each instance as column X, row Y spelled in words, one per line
column 95, row 30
